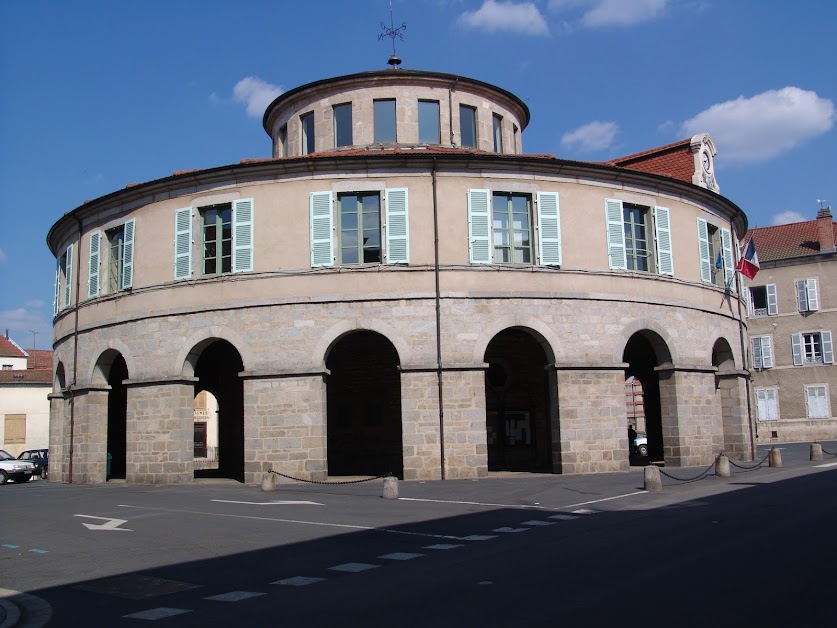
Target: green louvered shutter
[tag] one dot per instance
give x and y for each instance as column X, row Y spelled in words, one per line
column 827, row 348
column 796, row 348
column 549, row 229
column 398, row 226
column 93, row 264
column 772, row 300
column 322, row 229
column 729, row 264
column 242, row 235
column 183, row 243
column 662, row 228
column 57, row 285
column 703, row 249
column 615, row 234
column 128, row 255
column 479, row 226
column 68, row 276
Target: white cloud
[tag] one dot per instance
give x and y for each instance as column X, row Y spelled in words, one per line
column 591, row 137
column 602, row 13
column 2, row 256
column 494, row 16
column 785, row 218
column 757, row 129
column 255, row 93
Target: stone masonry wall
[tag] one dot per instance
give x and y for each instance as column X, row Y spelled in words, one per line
column 466, row 448
column 420, row 425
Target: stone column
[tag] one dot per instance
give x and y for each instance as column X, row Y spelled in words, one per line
column 421, row 445
column 466, row 444
column 592, row 435
column 59, row 445
column 732, row 386
column 285, row 425
column 160, row 439
column 691, row 415
column 86, row 435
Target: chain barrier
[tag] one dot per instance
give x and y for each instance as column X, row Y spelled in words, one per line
column 758, row 465
column 829, row 453
column 290, row 477
column 702, row 475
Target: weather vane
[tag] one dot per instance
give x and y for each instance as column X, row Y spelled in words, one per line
column 393, row 33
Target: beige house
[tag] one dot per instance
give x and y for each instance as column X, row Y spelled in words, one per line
column 25, row 385
column 793, row 315
column 400, row 289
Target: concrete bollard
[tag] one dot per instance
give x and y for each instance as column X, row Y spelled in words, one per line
column 816, row 452
column 653, row 482
column 776, row 458
column 269, row 483
column 722, row 466
column 390, row 488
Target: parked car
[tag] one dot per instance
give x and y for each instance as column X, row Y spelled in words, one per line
column 641, row 445
column 13, row 469
column 40, row 457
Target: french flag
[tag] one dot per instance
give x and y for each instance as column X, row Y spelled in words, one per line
column 748, row 265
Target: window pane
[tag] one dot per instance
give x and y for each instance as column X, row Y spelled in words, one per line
column 498, row 133
column 385, row 121
column 348, row 220
column 343, row 125
column 428, row 113
column 308, row 133
column 468, row 126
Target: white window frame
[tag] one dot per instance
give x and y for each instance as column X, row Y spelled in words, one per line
column 800, row 355
column 762, row 347
column 826, row 414
column 772, row 308
column 767, row 395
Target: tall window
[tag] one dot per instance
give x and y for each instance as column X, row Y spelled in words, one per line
column 283, row 141
column 217, row 239
column 767, row 405
column 468, row 126
column 512, row 228
column 343, row 125
column 116, row 258
column 307, row 133
column 807, row 296
column 428, row 119
column 498, row 133
column 360, row 227
column 762, row 352
column 384, row 111
column 812, row 348
column 763, row 300
column 636, row 237
column 816, row 398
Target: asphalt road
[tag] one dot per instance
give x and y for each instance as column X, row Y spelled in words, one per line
column 756, row 548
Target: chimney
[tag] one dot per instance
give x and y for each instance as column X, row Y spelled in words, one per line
column 825, row 229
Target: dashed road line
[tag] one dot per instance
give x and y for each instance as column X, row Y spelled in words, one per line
column 511, row 529
column 401, row 556
column 538, row 522
column 298, row 581
column 234, row 596
column 521, row 506
column 354, row 567
column 158, row 613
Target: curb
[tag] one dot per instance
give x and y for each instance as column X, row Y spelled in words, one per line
column 14, row 605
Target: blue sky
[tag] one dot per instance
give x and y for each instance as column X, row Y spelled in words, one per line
column 97, row 94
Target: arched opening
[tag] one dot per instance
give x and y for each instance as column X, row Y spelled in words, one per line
column 206, row 431
column 364, row 406
column 60, row 382
column 645, row 351
column 728, row 396
column 217, row 369
column 518, row 404
column 114, row 368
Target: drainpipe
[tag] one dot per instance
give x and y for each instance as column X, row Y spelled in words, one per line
column 75, row 353
column 450, row 118
column 438, row 324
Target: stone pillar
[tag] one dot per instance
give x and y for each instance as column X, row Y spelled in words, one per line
column 285, row 425
column 89, row 435
column 420, row 424
column 466, row 444
column 732, row 387
column 160, row 439
column 691, row 415
column 593, row 428
column 59, row 442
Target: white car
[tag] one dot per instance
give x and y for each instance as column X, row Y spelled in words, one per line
column 641, row 445
column 13, row 469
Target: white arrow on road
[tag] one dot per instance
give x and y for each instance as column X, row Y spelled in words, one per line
column 112, row 524
column 276, row 502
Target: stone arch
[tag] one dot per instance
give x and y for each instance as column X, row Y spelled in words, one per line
column 99, row 372
column 539, row 330
column 337, row 331
column 723, row 356
column 59, row 383
column 193, row 346
column 654, row 334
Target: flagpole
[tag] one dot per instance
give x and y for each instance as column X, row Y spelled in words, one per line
column 745, row 358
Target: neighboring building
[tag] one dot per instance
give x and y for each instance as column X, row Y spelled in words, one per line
column 399, row 289
column 793, row 317
column 25, row 384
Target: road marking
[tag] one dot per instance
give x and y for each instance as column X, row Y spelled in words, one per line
column 39, row 551
column 441, row 546
column 511, row 529
column 401, row 556
column 585, row 511
column 277, row 502
column 536, row 507
column 10, row 546
column 233, row 596
column 157, row 613
column 112, row 524
column 827, row 464
column 298, row 581
column 353, row 567
column 537, row 522
column 564, row 517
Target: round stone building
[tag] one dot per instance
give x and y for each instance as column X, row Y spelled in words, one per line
column 399, row 289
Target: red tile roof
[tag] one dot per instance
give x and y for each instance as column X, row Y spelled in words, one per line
column 30, row 376
column 9, row 349
column 40, row 359
column 672, row 160
column 797, row 239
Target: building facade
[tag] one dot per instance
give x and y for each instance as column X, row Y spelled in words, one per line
column 793, row 315
column 25, row 385
column 400, row 289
